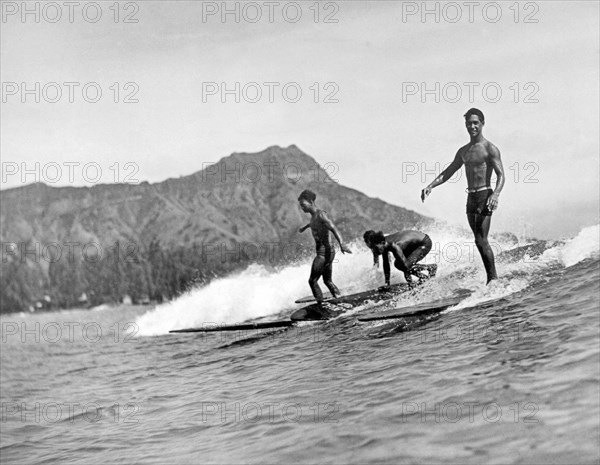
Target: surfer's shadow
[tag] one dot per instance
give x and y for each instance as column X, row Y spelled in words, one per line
column 403, row 327
column 326, row 330
column 244, row 339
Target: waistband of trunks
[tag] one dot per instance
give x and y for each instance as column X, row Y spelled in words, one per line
column 478, row 189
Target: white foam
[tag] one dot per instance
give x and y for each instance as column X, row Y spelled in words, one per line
column 585, row 245
column 495, row 290
column 258, row 292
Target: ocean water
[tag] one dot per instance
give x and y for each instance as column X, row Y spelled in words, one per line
column 510, row 375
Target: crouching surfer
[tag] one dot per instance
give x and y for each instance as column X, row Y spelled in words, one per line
column 407, row 247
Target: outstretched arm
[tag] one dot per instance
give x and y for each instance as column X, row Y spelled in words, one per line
column 329, row 225
column 304, row 228
column 496, row 163
column 444, row 175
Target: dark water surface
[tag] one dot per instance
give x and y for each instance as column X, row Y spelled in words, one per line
column 511, row 381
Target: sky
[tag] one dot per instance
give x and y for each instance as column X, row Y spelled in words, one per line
column 383, row 87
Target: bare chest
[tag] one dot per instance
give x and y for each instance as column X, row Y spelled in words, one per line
column 475, row 155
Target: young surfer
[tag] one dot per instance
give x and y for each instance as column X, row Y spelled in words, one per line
column 321, row 226
column 407, row 247
column 480, row 158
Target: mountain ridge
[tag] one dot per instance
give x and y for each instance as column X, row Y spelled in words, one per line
column 242, row 198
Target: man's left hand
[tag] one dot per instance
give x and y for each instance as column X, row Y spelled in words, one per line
column 492, row 202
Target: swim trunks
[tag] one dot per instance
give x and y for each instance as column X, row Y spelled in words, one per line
column 477, row 203
column 327, row 251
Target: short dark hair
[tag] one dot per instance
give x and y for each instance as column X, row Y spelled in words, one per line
column 307, row 195
column 372, row 237
column 378, row 238
column 476, row 112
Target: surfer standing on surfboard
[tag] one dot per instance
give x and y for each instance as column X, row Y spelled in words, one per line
column 480, row 158
column 407, row 247
column 321, row 226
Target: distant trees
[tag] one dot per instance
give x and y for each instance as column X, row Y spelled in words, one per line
column 17, row 284
column 154, row 272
